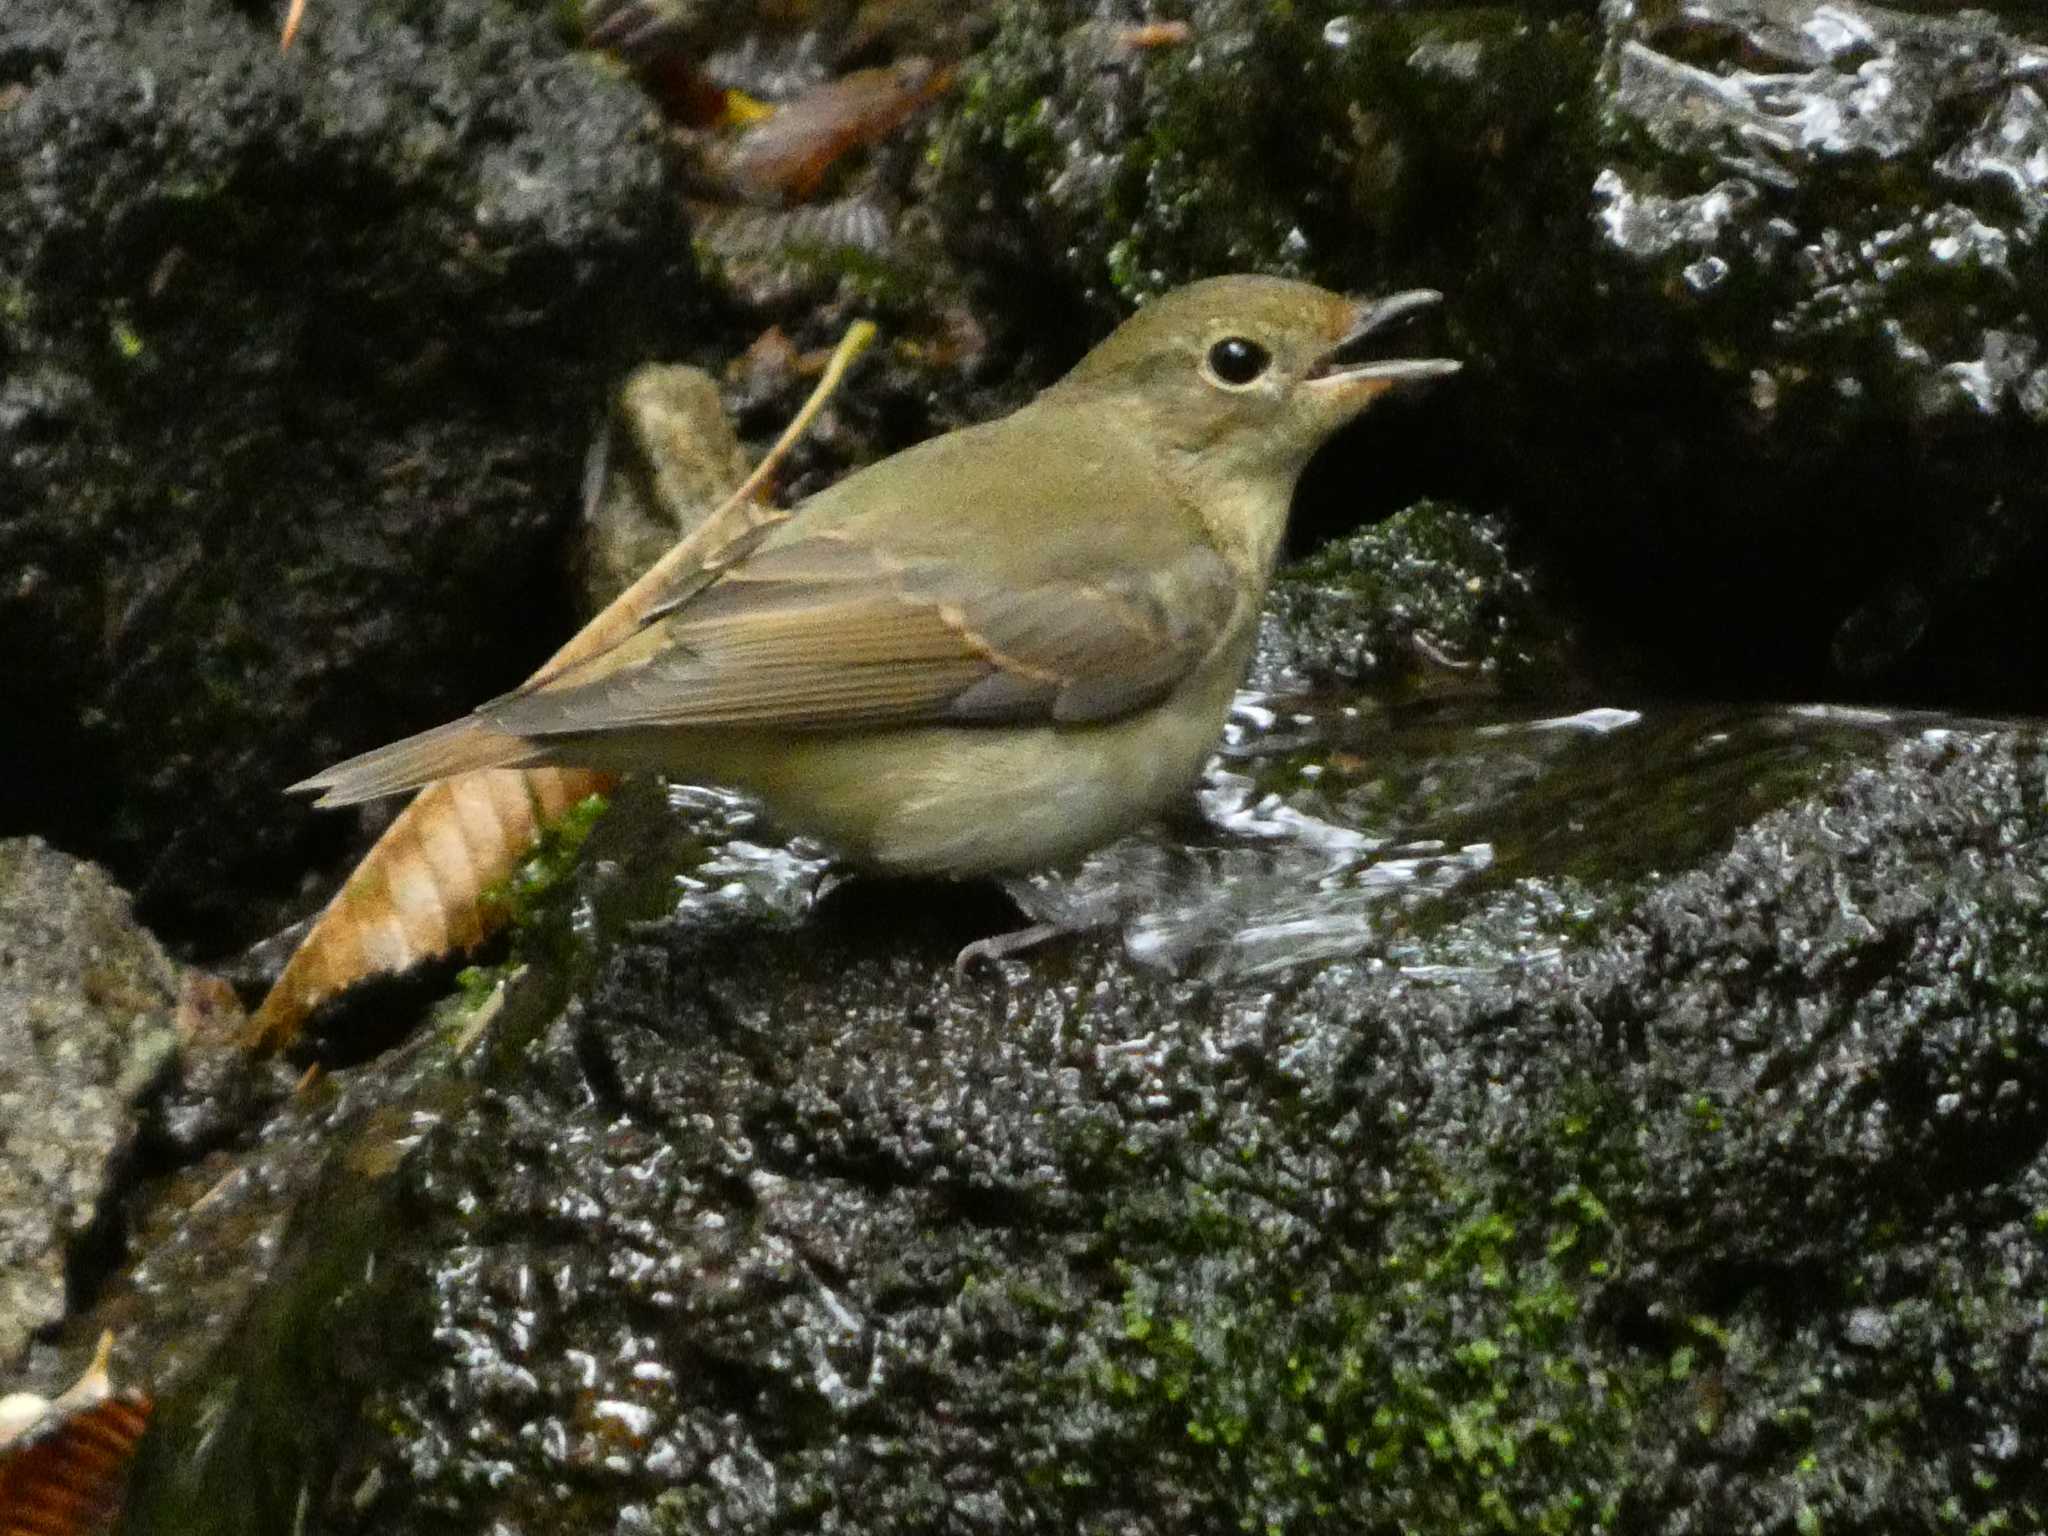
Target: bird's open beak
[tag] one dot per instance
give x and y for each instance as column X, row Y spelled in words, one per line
column 1350, row 368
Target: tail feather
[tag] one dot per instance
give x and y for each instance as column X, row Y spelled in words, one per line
column 461, row 746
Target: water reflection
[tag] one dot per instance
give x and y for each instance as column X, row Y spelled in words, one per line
column 1333, row 832
column 1327, row 830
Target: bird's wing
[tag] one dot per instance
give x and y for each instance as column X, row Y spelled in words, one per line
column 824, row 632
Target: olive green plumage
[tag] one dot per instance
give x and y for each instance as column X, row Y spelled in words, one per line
column 998, row 648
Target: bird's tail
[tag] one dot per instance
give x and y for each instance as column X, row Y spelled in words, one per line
column 461, row 746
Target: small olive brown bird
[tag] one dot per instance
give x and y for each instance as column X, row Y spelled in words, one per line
column 1000, row 648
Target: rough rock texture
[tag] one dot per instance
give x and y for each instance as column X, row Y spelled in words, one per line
column 1483, row 1119
column 1831, row 218
column 1750, row 292
column 298, row 361
column 1693, row 1202
column 86, row 1007
column 300, row 355
column 1426, row 602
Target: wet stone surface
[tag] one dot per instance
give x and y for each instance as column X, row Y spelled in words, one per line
column 1428, row 603
column 1505, row 1102
column 1746, row 291
column 1842, row 206
column 86, row 1031
column 298, row 360
column 1694, row 1186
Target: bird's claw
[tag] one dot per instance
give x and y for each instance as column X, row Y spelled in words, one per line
column 999, row 947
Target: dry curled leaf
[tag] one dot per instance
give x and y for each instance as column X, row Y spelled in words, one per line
column 1154, row 34
column 783, row 158
column 418, row 893
column 63, row 1463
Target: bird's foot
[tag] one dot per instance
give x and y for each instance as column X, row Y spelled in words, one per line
column 999, row 947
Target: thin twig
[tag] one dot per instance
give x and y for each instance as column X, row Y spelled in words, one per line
column 701, row 547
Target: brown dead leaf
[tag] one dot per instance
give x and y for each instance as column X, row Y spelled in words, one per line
column 418, row 893
column 63, row 1463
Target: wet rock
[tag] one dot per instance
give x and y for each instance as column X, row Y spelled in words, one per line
column 1838, row 211
column 1428, row 602
column 1483, row 1116
column 1745, row 290
column 86, row 1030
column 1565, row 1193
column 301, row 355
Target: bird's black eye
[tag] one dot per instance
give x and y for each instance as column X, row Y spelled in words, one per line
column 1238, row 359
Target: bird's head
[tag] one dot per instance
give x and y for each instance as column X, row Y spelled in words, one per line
column 1249, row 375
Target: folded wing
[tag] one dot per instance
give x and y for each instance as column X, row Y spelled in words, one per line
column 826, row 633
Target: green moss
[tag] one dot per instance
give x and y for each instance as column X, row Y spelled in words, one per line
column 1268, row 146
column 566, row 16
column 1436, row 1379
column 1426, row 603
column 606, row 864
column 529, row 902
column 519, row 898
column 127, row 340
column 476, row 984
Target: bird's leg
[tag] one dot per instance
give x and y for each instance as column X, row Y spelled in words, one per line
column 1000, row 946
column 829, row 878
column 1054, row 907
